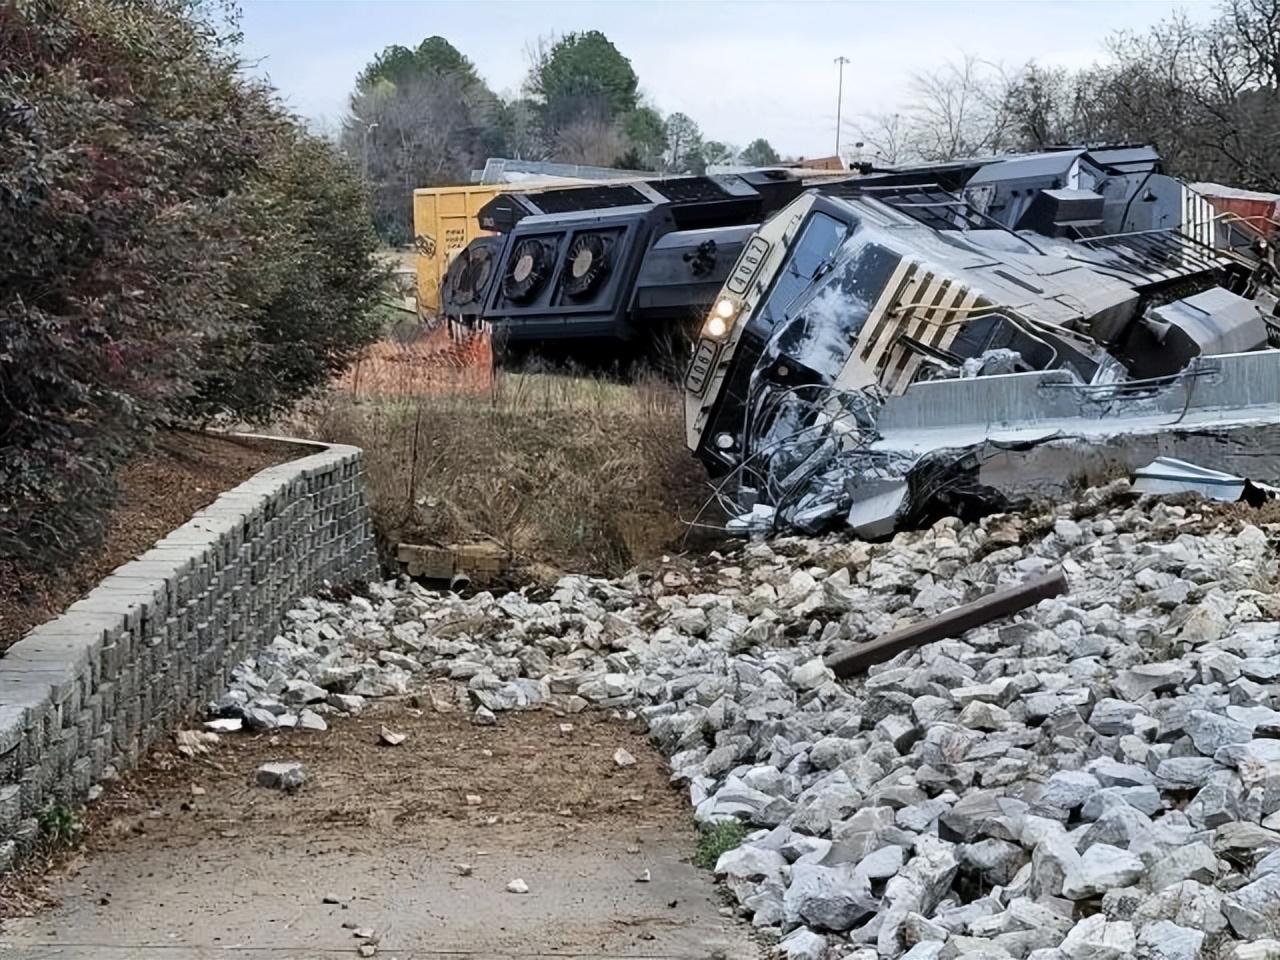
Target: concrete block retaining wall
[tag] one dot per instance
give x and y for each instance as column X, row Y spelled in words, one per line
column 114, row 675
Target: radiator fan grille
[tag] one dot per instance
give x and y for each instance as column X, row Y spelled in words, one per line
column 587, row 264
column 529, row 266
column 472, row 275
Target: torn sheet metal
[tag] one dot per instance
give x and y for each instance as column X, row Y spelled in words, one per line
column 993, row 443
column 1168, row 475
column 973, row 446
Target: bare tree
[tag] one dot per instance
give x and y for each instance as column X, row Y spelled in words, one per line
column 1208, row 95
column 418, row 133
column 1041, row 105
column 957, row 110
column 884, row 136
column 526, row 138
column 684, row 144
column 590, row 140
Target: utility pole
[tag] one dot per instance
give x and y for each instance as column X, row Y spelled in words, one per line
column 368, row 129
column 840, row 62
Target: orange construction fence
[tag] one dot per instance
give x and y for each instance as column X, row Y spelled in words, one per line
column 446, row 359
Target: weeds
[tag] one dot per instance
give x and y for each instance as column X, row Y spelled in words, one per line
column 59, row 825
column 717, row 839
column 576, row 472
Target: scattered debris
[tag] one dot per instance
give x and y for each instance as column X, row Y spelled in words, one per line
column 1165, row 475
column 623, row 759
column 517, row 886
column 281, row 776
column 193, row 742
column 390, row 737
column 1107, row 752
column 459, row 565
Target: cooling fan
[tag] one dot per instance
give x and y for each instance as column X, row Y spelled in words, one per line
column 587, row 264
column 530, row 264
column 472, row 275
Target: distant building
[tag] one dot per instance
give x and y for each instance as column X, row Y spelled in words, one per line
column 813, row 163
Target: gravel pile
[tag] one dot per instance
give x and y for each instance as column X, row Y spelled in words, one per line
column 1094, row 778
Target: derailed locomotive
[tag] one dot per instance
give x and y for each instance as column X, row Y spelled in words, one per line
column 906, row 341
column 602, row 273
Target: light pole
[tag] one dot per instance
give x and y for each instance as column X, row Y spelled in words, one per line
column 368, row 129
column 840, row 62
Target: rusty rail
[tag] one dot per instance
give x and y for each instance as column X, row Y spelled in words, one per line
column 950, row 623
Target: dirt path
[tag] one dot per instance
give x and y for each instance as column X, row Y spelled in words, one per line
column 228, row 868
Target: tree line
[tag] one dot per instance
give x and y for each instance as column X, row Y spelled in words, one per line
column 424, row 117
column 1207, row 95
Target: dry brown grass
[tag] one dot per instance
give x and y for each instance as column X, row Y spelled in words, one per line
column 576, row 472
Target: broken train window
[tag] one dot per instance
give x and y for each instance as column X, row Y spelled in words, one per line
column 811, row 253
column 822, row 327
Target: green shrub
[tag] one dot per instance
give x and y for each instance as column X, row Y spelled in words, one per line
column 166, row 229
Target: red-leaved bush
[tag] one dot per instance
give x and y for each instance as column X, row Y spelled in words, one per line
column 173, row 247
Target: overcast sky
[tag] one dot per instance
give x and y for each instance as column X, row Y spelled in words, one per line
column 741, row 69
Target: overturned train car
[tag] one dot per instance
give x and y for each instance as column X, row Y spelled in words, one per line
column 607, row 272
column 1086, row 273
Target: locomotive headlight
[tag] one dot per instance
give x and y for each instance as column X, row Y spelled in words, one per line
column 722, row 313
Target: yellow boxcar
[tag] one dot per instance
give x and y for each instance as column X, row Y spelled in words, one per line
column 444, row 221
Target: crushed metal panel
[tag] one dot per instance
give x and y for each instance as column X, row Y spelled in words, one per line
column 875, row 515
column 1168, row 475
column 1213, row 321
column 1044, row 434
column 1235, row 389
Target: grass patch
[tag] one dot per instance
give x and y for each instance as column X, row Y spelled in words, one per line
column 717, row 839
column 579, row 473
